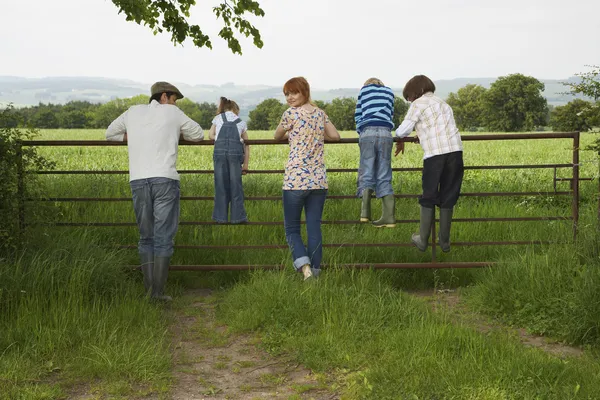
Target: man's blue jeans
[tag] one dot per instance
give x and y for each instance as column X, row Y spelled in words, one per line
column 156, row 207
column 313, row 202
column 375, row 170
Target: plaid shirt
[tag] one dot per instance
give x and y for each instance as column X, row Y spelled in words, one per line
column 434, row 122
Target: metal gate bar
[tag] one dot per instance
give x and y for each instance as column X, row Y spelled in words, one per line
column 574, row 192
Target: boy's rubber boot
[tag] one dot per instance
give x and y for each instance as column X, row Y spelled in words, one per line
column 421, row 239
column 147, row 267
column 388, row 214
column 365, row 208
column 444, row 234
column 161, row 271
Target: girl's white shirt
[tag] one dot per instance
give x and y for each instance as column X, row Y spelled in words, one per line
column 218, row 123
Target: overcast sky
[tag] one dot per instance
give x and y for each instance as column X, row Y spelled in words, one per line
column 333, row 43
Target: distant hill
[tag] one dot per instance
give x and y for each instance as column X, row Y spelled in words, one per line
column 28, row 91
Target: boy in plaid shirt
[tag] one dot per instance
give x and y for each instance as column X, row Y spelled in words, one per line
column 443, row 166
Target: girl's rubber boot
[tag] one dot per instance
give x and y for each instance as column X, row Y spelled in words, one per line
column 388, row 213
column 421, row 239
column 365, row 209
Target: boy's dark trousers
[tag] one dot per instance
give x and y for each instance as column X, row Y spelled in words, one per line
column 442, row 180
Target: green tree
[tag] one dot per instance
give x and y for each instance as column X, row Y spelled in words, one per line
column 266, row 115
column 73, row 119
column 207, row 112
column 45, row 118
column 321, row 104
column 108, row 112
column 201, row 113
column 467, row 106
column 172, row 16
column 577, row 115
column 11, row 118
column 514, row 103
column 400, row 109
column 13, row 160
column 341, row 113
column 588, row 85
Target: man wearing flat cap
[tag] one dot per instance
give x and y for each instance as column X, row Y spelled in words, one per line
column 152, row 133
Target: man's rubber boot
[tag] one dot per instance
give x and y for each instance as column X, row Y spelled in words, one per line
column 147, row 267
column 421, row 239
column 444, row 234
column 388, row 213
column 365, row 209
column 161, row 272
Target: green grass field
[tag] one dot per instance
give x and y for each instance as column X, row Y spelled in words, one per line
column 67, row 298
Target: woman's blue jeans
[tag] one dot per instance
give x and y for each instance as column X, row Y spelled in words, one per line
column 313, row 202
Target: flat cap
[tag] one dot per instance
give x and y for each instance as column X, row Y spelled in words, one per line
column 162, row 87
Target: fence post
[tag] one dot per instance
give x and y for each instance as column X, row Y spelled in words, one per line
column 575, row 184
column 20, row 187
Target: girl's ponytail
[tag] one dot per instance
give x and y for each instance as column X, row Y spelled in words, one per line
column 226, row 104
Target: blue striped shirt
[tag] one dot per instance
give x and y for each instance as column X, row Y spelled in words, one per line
column 375, row 107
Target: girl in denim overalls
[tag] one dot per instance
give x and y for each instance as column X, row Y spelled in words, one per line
column 230, row 159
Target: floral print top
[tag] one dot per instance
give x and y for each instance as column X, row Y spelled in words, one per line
column 305, row 168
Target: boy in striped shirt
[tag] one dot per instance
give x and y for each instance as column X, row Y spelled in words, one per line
column 373, row 116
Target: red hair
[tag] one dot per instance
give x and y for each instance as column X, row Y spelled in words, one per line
column 298, row 85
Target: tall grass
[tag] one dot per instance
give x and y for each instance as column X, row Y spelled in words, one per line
column 72, row 306
column 389, row 345
column 69, row 310
column 551, row 290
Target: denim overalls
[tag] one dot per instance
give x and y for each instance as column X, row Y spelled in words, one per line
column 228, row 158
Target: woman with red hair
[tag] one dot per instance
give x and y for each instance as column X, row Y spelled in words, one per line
column 306, row 127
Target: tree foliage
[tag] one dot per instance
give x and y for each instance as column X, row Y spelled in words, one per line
column 588, row 85
column 172, row 16
column 577, row 115
column 202, row 113
column 108, row 112
column 514, row 103
column 266, row 115
column 83, row 114
column 467, row 105
column 341, row 113
column 400, row 109
column 13, row 160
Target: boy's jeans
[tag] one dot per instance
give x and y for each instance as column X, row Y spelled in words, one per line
column 375, row 170
column 313, row 202
column 156, row 207
column 229, row 191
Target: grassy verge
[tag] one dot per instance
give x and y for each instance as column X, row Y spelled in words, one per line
column 388, row 345
column 551, row 291
column 70, row 315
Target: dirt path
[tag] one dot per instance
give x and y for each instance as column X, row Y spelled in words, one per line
column 212, row 363
column 449, row 301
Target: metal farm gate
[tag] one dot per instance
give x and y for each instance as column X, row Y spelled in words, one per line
column 573, row 192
